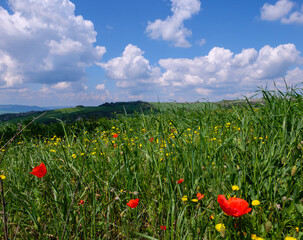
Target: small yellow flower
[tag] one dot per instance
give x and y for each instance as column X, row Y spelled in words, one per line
column 253, row 236
column 194, row 200
column 52, row 150
column 290, row 238
column 184, row 198
column 235, row 188
column 297, row 229
column 74, row 155
column 255, row 202
column 2, row 177
column 220, row 227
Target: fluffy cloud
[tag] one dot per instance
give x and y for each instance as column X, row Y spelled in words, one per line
column 274, row 12
column 131, row 70
column 44, row 42
column 295, row 17
column 220, row 71
column 172, row 28
column 282, row 11
column 295, row 76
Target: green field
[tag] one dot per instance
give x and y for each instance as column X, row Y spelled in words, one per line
column 163, row 158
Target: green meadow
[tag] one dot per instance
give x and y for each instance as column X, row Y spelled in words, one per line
column 163, row 158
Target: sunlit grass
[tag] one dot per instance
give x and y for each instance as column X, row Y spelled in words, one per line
column 247, row 152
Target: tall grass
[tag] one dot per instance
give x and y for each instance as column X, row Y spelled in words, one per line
column 259, row 149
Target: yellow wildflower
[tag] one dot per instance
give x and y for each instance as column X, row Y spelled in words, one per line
column 184, row 198
column 255, row 202
column 255, row 237
column 194, row 200
column 2, row 177
column 235, row 188
column 290, row 238
column 220, row 226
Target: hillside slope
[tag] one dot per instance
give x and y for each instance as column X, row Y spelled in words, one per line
column 80, row 112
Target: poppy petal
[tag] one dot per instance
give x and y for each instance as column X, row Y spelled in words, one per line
column 39, row 171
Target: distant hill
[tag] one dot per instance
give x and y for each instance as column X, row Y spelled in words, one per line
column 20, row 108
column 106, row 110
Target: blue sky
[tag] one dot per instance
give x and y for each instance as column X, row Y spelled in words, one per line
column 62, row 53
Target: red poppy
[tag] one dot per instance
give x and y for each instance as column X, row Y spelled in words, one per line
column 200, row 196
column 235, row 207
column 39, row 171
column 151, row 139
column 133, row 203
column 163, row 228
column 180, row 181
column 115, row 135
column 81, row 202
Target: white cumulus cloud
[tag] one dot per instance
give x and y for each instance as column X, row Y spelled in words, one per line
column 277, row 11
column 43, row 41
column 217, row 75
column 295, row 17
column 221, row 68
column 131, row 70
column 172, row 28
column 282, row 11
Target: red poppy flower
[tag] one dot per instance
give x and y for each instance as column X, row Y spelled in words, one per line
column 163, row 228
column 235, row 207
column 133, row 203
column 81, row 202
column 151, row 139
column 180, row 181
column 39, row 171
column 115, row 135
column 200, row 196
